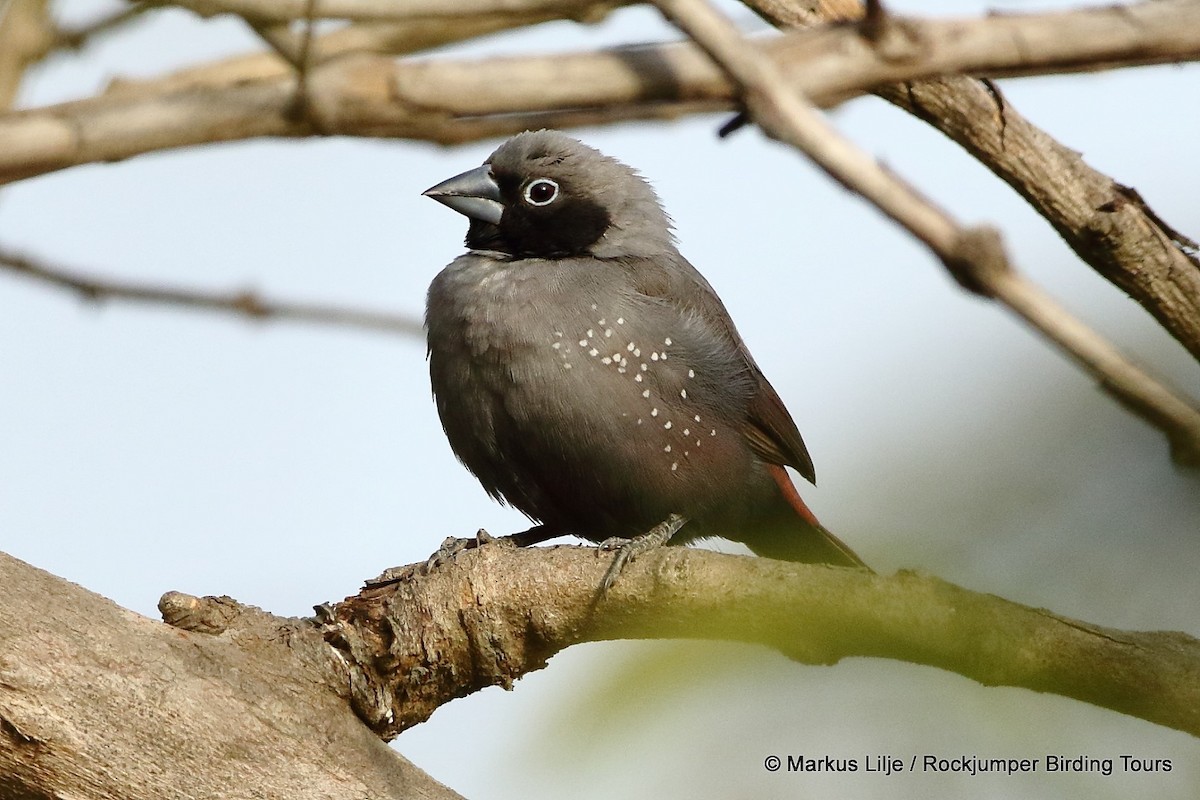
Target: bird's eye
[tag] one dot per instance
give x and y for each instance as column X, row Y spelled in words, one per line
column 541, row 192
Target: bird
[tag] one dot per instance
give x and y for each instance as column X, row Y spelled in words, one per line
column 588, row 375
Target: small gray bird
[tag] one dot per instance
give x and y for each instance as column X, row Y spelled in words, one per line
column 588, row 375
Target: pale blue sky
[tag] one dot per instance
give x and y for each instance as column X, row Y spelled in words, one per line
column 149, row 449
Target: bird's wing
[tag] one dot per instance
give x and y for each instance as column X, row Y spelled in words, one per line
column 769, row 429
column 772, row 433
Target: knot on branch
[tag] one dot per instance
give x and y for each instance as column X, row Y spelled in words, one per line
column 433, row 636
column 211, row 615
column 977, row 260
column 894, row 40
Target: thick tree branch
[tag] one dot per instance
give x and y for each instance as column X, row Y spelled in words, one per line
column 96, row 701
column 974, row 256
column 244, row 303
column 414, row 645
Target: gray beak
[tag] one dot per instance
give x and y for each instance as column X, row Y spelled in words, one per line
column 474, row 194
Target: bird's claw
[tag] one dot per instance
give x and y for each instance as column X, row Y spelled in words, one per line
column 613, row 543
column 629, row 549
column 450, row 547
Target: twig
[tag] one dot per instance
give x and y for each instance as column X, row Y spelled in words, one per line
column 302, row 104
column 1121, row 239
column 973, row 255
column 279, row 38
column 245, row 304
column 284, row 11
column 76, row 38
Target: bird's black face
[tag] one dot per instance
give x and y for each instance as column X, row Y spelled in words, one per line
column 528, row 211
column 545, row 216
column 545, row 195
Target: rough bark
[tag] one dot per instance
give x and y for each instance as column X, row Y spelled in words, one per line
column 96, row 701
column 497, row 613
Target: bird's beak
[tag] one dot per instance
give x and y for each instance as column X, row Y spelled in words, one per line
column 474, row 193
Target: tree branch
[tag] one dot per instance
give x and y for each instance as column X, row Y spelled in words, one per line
column 525, row 605
column 25, row 36
column 1106, row 224
column 96, row 701
column 284, row 11
column 974, row 256
column 440, row 100
column 245, row 303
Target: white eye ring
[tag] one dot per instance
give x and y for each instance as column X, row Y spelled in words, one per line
column 539, row 186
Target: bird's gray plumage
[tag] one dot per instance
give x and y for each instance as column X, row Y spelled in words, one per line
column 587, row 374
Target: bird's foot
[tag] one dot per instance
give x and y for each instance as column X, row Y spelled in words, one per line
column 446, row 552
column 629, row 549
column 452, row 545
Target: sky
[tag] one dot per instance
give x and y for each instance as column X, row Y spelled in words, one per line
column 147, row 449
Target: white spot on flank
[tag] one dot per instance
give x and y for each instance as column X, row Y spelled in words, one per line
column 654, row 412
column 667, row 449
column 599, row 322
column 629, row 347
column 620, row 320
column 713, row 432
column 593, row 352
column 639, row 420
column 664, row 355
column 559, row 334
column 646, row 393
column 644, row 366
column 685, row 453
column 687, row 432
column 617, row 356
column 556, row 345
column 590, row 333
column 593, row 306
column 654, row 356
column 667, row 425
column 691, row 373
column 637, row 377
column 697, row 418
column 583, row 342
column 674, row 466
column 567, row 365
column 667, row 341
column 606, row 360
column 683, row 393
column 607, row 332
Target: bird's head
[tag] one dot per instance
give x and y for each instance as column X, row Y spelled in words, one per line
column 543, row 194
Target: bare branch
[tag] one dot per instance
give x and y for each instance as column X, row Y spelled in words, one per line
column 76, row 38
column 525, row 605
column 245, row 303
column 283, row 11
column 1121, row 238
column 25, row 36
column 974, row 256
column 429, row 100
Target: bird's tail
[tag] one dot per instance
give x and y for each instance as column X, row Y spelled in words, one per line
column 793, row 533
